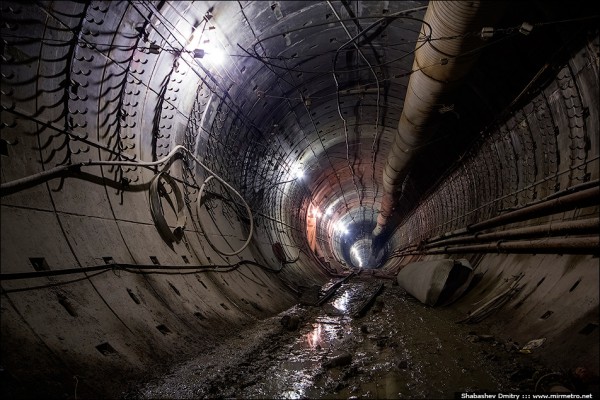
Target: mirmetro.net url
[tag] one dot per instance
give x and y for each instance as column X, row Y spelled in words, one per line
column 523, row 395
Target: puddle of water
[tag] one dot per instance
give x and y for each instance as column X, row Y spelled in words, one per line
column 325, row 334
column 313, row 338
column 291, row 380
column 401, row 350
column 389, row 386
column 341, row 303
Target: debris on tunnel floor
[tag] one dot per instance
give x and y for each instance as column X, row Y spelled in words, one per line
column 497, row 302
column 436, row 282
column 396, row 350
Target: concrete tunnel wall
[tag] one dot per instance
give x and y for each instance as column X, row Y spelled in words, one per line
column 103, row 329
column 100, row 330
column 541, row 149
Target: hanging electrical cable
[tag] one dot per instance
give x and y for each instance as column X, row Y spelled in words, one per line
column 337, row 86
column 179, row 38
column 92, row 271
column 155, row 208
column 174, row 30
column 199, row 204
column 304, row 103
column 155, row 192
column 311, row 26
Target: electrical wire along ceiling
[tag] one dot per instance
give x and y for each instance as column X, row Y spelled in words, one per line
column 289, row 115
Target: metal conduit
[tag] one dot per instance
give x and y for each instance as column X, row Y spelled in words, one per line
column 561, row 193
column 585, row 245
column 439, row 66
column 553, row 205
column 552, row 229
column 585, row 198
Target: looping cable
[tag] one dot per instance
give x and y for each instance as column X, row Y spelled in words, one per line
column 157, row 212
column 199, row 203
column 155, row 203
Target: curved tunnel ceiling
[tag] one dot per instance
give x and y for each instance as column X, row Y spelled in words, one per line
column 295, row 104
column 303, row 82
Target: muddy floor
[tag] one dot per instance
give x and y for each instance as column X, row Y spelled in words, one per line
column 398, row 348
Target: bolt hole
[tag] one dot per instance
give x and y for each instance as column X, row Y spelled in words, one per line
column 575, row 285
column 540, row 282
column 519, row 304
column 589, row 328
column 202, row 283
column 200, row 316
column 133, row 296
column 547, row 314
column 62, row 299
column 163, row 329
column 39, row 263
column 106, row 349
column 174, row 289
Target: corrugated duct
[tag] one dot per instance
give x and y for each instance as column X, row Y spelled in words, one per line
column 451, row 31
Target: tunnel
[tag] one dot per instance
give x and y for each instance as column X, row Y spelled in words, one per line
column 217, row 199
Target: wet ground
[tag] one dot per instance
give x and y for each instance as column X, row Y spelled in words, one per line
column 398, row 349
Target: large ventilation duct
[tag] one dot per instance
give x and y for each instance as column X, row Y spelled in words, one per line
column 439, row 66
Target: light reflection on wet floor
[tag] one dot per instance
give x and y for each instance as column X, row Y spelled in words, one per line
column 382, row 365
column 400, row 348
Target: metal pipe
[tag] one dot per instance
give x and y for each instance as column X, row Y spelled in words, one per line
column 569, row 190
column 585, row 198
column 551, row 229
column 573, row 189
column 463, row 231
column 439, row 67
column 585, row 245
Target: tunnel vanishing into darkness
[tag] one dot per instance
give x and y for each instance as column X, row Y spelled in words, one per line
column 172, row 170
